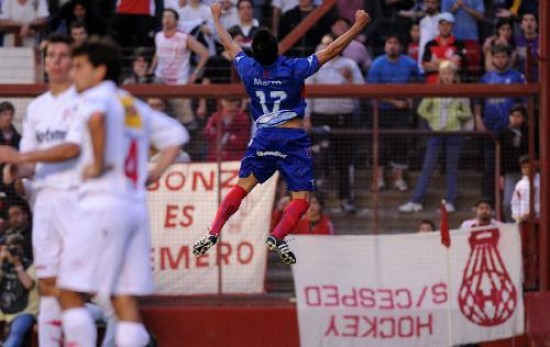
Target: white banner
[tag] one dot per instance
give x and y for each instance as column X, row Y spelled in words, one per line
column 182, row 206
column 393, row 290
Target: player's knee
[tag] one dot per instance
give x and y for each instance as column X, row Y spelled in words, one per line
column 131, row 334
column 48, row 286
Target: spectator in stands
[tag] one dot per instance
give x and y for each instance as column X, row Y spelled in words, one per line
column 230, row 14
column 444, row 47
column 429, row 28
column 279, row 8
column 503, row 36
column 426, row 226
column 227, row 131
column 28, row 15
column 248, row 25
column 513, row 143
column 494, row 114
column 314, row 222
column 442, row 114
column 18, row 291
column 305, row 46
column 394, row 67
column 521, row 197
column 19, row 223
column 528, row 40
column 172, row 61
column 219, row 69
column 158, row 104
column 194, row 9
column 10, row 137
column 337, row 114
column 79, row 11
column 467, row 13
column 175, row 4
column 79, row 33
column 134, row 24
column 279, row 209
column 391, row 11
column 484, row 215
column 413, row 44
column 141, row 69
column 8, row 134
column 196, row 19
column 355, row 50
column 347, row 8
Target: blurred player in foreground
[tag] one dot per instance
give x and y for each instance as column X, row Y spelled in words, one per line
column 114, row 245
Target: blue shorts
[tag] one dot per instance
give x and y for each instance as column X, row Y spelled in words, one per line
column 283, row 149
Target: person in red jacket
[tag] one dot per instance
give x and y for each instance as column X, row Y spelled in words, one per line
column 233, row 133
column 314, row 222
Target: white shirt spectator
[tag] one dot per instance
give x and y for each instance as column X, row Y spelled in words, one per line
column 428, row 31
column 24, row 13
column 286, row 5
column 173, row 4
column 520, row 199
column 173, row 58
column 333, row 73
column 189, row 12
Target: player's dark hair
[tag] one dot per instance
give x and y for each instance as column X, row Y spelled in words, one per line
column 102, row 51
column 174, row 12
column 77, row 25
column 22, row 206
column 7, row 106
column 395, row 37
column 529, row 13
column 497, row 49
column 428, row 222
column 265, row 47
column 57, row 38
column 484, row 200
column 241, row 1
column 519, row 108
column 524, row 159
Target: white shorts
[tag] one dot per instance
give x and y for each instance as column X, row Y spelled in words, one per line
column 111, row 256
column 54, row 219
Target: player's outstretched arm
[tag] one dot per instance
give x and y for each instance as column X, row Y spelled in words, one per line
column 59, row 153
column 362, row 18
column 231, row 47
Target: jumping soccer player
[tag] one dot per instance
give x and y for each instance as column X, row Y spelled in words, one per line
column 275, row 85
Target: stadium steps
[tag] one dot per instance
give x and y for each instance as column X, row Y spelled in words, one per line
column 279, row 276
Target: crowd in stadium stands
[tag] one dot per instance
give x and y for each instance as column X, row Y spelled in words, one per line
column 174, row 42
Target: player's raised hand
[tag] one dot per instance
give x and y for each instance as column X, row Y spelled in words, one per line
column 216, row 9
column 362, row 17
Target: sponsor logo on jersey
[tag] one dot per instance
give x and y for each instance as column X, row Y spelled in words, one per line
column 270, row 153
column 50, row 135
column 267, row 83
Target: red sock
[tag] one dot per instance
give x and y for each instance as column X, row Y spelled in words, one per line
column 229, row 206
column 293, row 212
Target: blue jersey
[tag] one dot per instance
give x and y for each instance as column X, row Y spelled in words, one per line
column 276, row 91
column 495, row 111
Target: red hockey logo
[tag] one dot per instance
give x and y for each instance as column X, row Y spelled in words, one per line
column 487, row 295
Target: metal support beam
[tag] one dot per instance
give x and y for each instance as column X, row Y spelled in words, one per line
column 544, row 79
